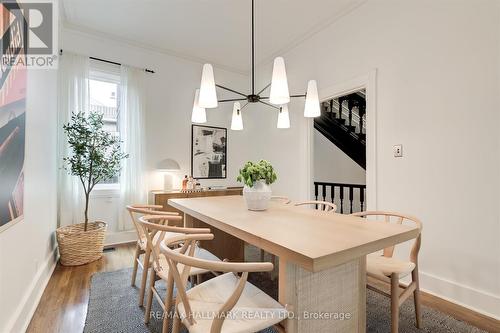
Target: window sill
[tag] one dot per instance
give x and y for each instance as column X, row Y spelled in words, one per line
column 106, row 190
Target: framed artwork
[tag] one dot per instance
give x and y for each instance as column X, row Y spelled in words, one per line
column 12, row 117
column 208, row 152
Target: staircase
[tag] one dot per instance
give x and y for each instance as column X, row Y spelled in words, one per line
column 342, row 121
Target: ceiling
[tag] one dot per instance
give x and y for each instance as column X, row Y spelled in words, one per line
column 215, row 31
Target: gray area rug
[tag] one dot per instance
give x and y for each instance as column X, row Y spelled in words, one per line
column 113, row 308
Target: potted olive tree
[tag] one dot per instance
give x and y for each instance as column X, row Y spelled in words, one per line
column 257, row 177
column 95, row 156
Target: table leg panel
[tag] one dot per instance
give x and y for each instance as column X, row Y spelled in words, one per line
column 334, row 293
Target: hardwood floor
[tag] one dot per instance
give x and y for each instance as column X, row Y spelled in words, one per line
column 457, row 311
column 63, row 306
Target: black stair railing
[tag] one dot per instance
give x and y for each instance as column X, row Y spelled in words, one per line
column 350, row 111
column 336, row 193
column 342, row 122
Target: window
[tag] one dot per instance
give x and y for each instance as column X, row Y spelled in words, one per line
column 104, row 93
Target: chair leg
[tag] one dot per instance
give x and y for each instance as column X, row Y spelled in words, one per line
column 274, row 271
column 145, row 270
column 177, row 324
column 149, row 301
column 262, row 255
column 394, row 303
column 136, row 264
column 168, row 302
column 416, row 298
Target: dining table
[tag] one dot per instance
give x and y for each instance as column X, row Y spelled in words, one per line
column 321, row 255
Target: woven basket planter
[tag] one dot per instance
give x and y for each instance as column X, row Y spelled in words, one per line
column 78, row 247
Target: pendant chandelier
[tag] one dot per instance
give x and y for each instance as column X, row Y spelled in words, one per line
column 278, row 99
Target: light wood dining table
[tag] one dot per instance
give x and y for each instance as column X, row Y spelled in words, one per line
column 322, row 255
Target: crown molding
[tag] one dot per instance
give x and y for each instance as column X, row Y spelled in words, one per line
column 313, row 31
column 266, row 60
column 97, row 34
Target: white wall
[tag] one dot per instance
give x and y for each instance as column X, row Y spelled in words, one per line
column 437, row 73
column 332, row 165
column 27, row 255
column 170, row 93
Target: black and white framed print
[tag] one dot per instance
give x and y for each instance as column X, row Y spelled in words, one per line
column 208, row 152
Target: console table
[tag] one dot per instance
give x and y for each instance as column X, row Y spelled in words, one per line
column 162, row 197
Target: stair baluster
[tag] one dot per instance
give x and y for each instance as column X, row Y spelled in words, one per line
column 323, row 187
column 351, row 198
column 362, row 110
column 350, row 106
column 362, row 198
column 341, row 199
column 341, row 101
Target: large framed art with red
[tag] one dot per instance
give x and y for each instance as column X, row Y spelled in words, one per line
column 13, row 82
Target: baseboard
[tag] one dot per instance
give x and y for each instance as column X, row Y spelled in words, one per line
column 476, row 300
column 122, row 237
column 26, row 308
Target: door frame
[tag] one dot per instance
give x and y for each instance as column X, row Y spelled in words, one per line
column 367, row 82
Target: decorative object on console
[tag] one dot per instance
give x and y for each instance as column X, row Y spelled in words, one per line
column 168, row 166
column 257, row 177
column 278, row 98
column 208, row 152
column 96, row 156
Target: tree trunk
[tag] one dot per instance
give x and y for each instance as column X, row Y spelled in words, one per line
column 86, row 211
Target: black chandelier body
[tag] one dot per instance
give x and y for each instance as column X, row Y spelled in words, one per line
column 253, row 97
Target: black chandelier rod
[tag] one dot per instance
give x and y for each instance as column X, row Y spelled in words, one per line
column 232, row 100
column 231, row 90
column 270, row 105
column 262, row 90
column 246, row 97
column 253, row 51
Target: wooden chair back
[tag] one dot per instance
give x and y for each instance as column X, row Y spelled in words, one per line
column 281, row 198
column 392, row 217
column 320, row 205
column 137, row 210
column 186, row 257
column 152, row 224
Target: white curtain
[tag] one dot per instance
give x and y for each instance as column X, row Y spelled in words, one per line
column 73, row 97
column 131, row 122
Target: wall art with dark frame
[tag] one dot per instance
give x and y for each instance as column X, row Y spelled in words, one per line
column 208, row 152
column 12, row 114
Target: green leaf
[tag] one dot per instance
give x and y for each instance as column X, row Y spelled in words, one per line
column 252, row 172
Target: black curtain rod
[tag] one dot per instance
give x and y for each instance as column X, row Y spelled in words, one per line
column 147, row 70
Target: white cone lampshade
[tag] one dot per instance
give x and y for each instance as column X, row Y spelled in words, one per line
column 237, row 120
column 279, row 84
column 283, row 117
column 208, row 94
column 198, row 116
column 312, row 108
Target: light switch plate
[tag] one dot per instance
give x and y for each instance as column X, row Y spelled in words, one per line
column 398, row 150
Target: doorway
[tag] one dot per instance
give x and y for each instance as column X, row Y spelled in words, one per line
column 342, row 146
column 340, row 152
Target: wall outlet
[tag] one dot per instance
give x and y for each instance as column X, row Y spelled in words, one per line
column 398, row 150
